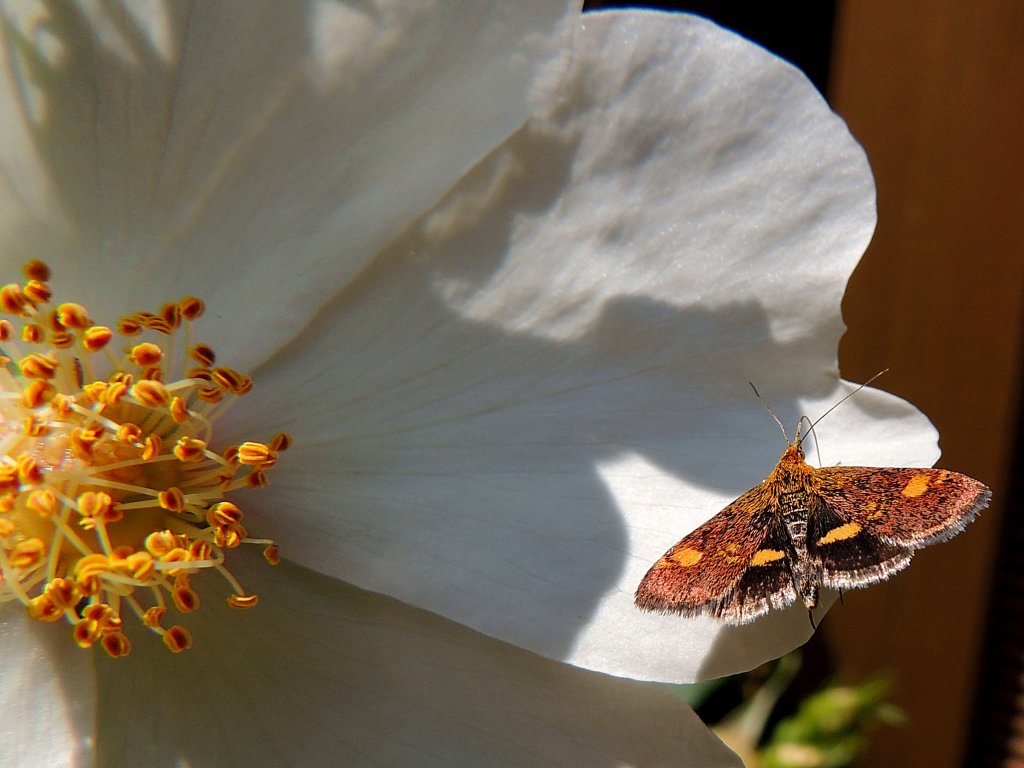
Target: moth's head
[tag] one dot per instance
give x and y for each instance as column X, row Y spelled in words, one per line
column 794, row 452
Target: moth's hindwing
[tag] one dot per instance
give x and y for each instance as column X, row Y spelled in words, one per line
column 735, row 566
column 868, row 521
column 845, row 554
column 768, row 581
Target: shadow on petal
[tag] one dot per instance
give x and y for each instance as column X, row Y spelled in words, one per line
column 321, row 673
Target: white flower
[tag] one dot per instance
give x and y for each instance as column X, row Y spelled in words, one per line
column 513, row 356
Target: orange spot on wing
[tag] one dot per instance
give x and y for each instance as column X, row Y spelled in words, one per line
column 685, row 557
column 847, row 531
column 916, row 486
column 765, row 556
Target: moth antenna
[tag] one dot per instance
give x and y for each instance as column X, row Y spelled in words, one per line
column 765, row 404
column 810, row 430
column 843, row 400
column 810, row 615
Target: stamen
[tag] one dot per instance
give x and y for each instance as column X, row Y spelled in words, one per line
column 110, row 495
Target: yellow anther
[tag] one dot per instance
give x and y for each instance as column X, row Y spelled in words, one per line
column 171, row 314
column 230, row 455
column 53, row 321
column 38, row 366
column 211, row 395
column 158, row 324
column 73, row 316
column 29, row 471
column 191, row 307
column 116, row 644
column 32, row 333
column 84, row 439
column 128, row 433
column 282, row 441
column 27, row 553
column 12, row 299
column 61, row 406
column 6, row 330
column 146, row 354
column 203, row 354
column 129, row 326
column 179, row 410
column 223, row 513
column 256, row 455
column 98, row 505
column 37, row 292
column 160, row 543
column 173, row 500
column 185, row 599
column 243, row 601
column 36, row 270
column 42, row 501
column 272, row 554
column 151, row 447
column 61, row 339
column 33, row 427
column 43, row 608
column 154, row 616
column 139, row 565
column 7, row 527
column 231, row 380
column 201, row 550
column 114, row 392
column 176, row 556
column 86, row 632
column 101, row 613
column 62, row 593
column 94, row 391
column 96, row 338
column 190, row 450
column 151, row 393
column 178, row 639
column 90, row 567
column 229, row 536
column 257, row 479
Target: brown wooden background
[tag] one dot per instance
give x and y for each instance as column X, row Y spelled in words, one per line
column 935, row 93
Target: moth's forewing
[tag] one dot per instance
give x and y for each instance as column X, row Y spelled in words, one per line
column 706, row 572
column 868, row 520
column 911, row 507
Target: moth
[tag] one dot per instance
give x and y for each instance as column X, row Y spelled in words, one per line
column 803, row 528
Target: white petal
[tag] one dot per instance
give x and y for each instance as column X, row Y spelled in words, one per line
column 321, row 673
column 47, row 694
column 543, row 388
column 258, row 155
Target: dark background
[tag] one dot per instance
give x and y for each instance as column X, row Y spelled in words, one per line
column 935, row 93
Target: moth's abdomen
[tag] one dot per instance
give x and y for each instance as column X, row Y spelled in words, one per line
column 794, row 514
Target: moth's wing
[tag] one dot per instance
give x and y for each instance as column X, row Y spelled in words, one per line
column 735, row 566
column 912, row 507
column 867, row 521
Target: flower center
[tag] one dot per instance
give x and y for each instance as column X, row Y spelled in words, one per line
column 111, row 499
